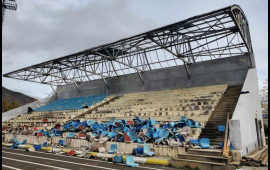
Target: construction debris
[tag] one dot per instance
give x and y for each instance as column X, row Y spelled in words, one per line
column 141, row 131
column 258, row 157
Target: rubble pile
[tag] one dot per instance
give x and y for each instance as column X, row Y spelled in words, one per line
column 119, row 130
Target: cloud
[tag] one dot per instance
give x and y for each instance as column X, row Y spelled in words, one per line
column 42, row 33
column 42, row 30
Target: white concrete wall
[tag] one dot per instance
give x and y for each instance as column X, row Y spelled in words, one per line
column 247, row 109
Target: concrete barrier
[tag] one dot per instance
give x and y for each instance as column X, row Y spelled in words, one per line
column 144, row 160
column 125, row 148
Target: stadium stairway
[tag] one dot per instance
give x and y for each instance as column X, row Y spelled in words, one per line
column 209, row 159
column 226, row 105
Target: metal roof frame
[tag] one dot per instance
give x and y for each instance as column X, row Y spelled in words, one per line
column 9, row 4
column 214, row 35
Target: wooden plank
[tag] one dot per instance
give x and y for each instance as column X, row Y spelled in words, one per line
column 265, row 159
column 257, row 155
column 253, row 152
column 228, row 148
column 226, row 135
column 263, row 155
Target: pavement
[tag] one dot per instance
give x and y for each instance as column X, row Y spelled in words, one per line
column 39, row 160
column 252, row 168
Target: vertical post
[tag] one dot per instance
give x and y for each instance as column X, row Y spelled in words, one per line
column 53, row 90
column 226, row 136
column 186, row 67
column 3, row 12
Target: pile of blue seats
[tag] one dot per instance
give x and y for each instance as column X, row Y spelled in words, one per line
column 131, row 131
column 72, row 103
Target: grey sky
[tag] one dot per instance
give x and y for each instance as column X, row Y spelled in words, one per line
column 42, row 30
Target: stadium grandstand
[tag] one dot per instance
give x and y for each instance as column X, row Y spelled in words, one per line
column 202, row 69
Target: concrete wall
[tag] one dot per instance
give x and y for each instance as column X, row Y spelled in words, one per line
column 231, row 71
column 160, row 150
column 23, row 109
column 243, row 121
column 265, row 121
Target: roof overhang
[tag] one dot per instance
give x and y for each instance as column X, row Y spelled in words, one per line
column 214, row 35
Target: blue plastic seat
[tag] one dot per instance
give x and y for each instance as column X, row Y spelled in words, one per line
column 58, row 132
column 159, row 139
column 221, row 128
column 130, row 162
column 138, row 151
column 72, row 103
column 163, row 133
column 37, row 147
column 205, row 143
column 70, row 135
column 113, row 148
column 112, row 134
column 155, row 135
column 194, row 141
column 15, row 145
column 23, row 142
column 196, row 125
column 51, row 134
column 146, row 151
column 15, row 140
column 118, row 159
column 132, row 135
column 61, row 142
column 140, row 140
column 183, row 119
column 44, row 144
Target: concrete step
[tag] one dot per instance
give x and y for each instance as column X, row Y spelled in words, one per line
column 202, row 165
column 220, row 112
column 215, row 120
column 216, row 141
column 206, row 158
column 211, row 137
column 211, row 125
column 208, row 152
column 219, row 116
column 214, row 124
column 212, row 131
column 212, row 134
